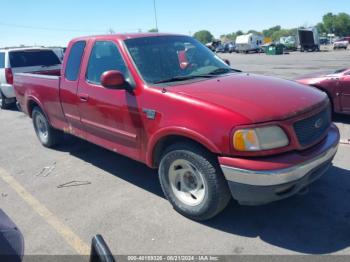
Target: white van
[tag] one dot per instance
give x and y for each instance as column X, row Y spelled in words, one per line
column 249, row 43
column 22, row 60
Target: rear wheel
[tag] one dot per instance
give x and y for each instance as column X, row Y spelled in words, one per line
column 48, row 136
column 3, row 104
column 193, row 182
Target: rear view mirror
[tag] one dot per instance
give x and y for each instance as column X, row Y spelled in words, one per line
column 113, row 79
column 100, row 251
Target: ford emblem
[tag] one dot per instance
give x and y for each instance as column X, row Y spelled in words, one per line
column 318, row 123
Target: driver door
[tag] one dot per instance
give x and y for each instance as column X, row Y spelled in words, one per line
column 110, row 117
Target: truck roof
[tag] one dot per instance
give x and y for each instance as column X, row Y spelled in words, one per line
column 124, row 36
column 9, row 49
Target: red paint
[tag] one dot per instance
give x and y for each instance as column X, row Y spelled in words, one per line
column 206, row 111
column 336, row 85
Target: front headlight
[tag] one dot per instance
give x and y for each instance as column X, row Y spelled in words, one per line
column 261, row 138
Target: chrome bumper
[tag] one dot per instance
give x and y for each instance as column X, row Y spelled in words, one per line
column 279, row 176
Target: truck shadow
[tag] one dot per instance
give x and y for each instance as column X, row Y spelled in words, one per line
column 345, row 119
column 316, row 223
column 122, row 167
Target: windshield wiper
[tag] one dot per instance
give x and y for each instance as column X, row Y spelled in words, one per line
column 181, row 78
column 223, row 70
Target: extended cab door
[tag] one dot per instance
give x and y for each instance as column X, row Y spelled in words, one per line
column 345, row 92
column 69, row 86
column 110, row 117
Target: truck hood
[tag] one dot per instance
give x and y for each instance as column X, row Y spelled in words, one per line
column 259, row 98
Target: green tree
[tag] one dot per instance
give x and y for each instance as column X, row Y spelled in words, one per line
column 239, row 32
column 254, row 32
column 320, row 28
column 153, row 30
column 329, row 22
column 269, row 32
column 204, row 36
column 342, row 24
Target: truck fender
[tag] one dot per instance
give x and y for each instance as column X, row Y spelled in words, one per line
column 33, row 99
column 176, row 131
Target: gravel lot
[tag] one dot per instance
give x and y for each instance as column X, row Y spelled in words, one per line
column 122, row 199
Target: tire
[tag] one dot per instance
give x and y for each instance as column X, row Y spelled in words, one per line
column 3, row 104
column 48, row 136
column 193, row 182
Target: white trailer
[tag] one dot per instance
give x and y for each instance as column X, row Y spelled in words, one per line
column 249, row 43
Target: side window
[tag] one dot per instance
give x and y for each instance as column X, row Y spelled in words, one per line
column 2, row 60
column 104, row 56
column 74, row 61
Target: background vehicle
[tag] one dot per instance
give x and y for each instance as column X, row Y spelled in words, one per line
column 167, row 101
column 213, row 45
column 336, row 84
column 220, row 49
column 19, row 60
column 290, row 43
column 249, row 43
column 230, row 47
column 59, row 51
column 308, row 40
column 342, row 43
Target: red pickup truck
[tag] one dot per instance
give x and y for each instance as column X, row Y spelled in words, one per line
column 168, row 101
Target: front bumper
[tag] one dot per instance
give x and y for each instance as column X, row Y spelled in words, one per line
column 297, row 170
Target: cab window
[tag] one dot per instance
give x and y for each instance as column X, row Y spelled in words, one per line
column 74, row 61
column 105, row 56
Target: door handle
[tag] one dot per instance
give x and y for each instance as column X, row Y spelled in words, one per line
column 83, row 97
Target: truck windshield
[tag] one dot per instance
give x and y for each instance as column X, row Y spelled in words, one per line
column 165, row 59
column 33, row 58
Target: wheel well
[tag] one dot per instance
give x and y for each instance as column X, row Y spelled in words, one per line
column 31, row 105
column 165, row 142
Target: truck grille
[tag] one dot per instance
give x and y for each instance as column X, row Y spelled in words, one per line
column 311, row 129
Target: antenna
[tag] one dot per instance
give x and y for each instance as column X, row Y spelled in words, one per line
column 155, row 14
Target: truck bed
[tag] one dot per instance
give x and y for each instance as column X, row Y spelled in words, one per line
column 42, row 88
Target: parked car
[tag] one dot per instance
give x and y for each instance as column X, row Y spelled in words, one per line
column 249, row 43
column 19, row 60
column 342, row 43
column 220, row 49
column 213, row 45
column 230, row 47
column 336, row 84
column 210, row 130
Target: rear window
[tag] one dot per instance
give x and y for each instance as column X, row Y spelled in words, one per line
column 33, row 58
column 2, row 60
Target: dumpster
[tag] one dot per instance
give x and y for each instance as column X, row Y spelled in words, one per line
column 274, row 49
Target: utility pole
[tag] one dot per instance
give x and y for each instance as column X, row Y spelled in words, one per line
column 155, row 14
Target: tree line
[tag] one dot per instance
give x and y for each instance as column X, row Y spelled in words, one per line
column 338, row 24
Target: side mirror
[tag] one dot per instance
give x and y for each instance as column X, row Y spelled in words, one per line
column 227, row 62
column 113, row 79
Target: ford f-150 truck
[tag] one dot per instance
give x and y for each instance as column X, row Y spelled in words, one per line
column 166, row 100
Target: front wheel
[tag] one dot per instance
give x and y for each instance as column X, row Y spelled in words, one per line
column 193, row 182
column 48, row 136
